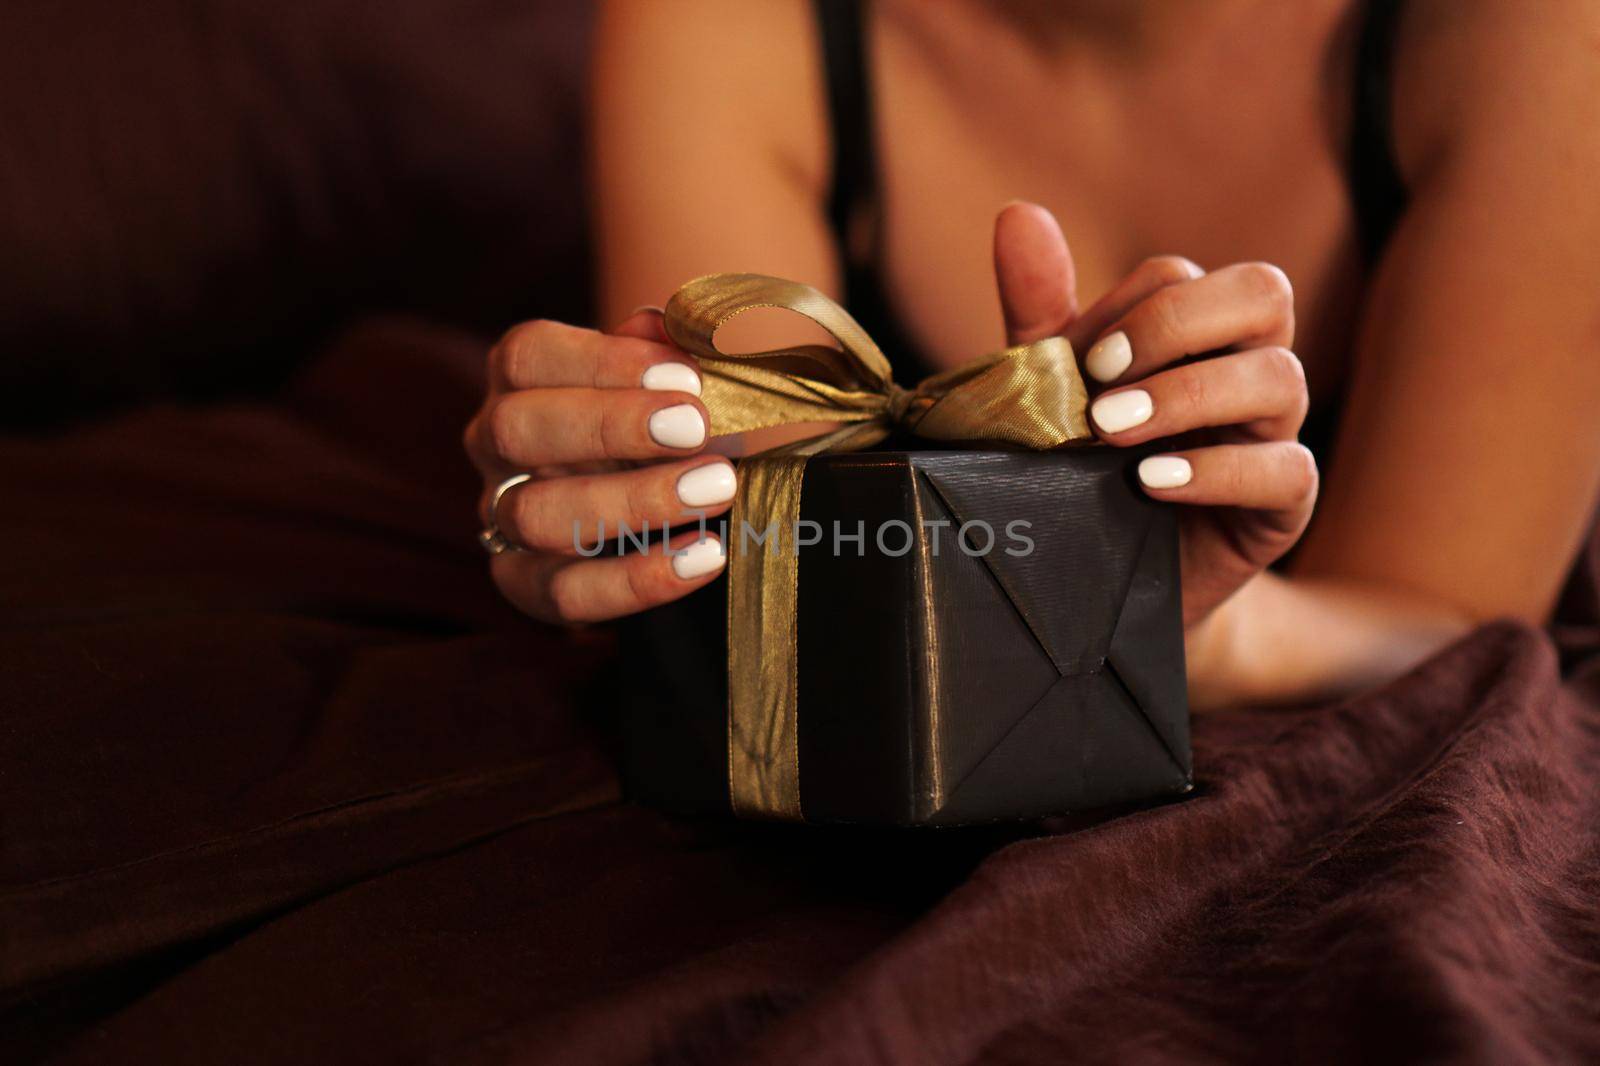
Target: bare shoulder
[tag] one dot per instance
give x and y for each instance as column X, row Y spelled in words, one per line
column 1482, row 74
column 708, row 146
column 713, row 77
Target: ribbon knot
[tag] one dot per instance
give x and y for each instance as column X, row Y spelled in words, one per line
column 899, row 403
column 1030, row 396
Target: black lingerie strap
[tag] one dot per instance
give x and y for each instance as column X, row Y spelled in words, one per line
column 1376, row 187
column 852, row 196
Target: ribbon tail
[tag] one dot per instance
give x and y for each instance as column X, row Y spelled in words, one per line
column 763, row 654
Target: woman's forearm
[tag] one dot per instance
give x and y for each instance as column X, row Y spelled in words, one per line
column 1292, row 639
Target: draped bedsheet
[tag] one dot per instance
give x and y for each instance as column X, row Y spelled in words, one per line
column 282, row 780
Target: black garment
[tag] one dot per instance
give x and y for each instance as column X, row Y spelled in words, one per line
column 1376, row 188
column 854, row 202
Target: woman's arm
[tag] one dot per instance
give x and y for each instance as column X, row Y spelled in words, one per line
column 1469, row 461
column 720, row 168
column 581, row 432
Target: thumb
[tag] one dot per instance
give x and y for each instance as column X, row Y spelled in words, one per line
column 1033, row 269
column 646, row 323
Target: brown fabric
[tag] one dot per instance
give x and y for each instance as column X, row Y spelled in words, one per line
column 192, row 189
column 281, row 780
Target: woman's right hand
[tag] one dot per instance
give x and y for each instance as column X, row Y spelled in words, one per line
column 611, row 429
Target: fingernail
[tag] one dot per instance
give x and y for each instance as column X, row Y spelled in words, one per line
column 678, row 426
column 698, row 559
column 1165, row 472
column 707, row 485
column 644, row 307
column 671, row 377
column 1122, row 410
column 1109, row 357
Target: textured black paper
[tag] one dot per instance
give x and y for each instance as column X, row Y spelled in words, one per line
column 948, row 688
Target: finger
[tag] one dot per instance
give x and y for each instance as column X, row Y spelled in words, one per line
column 570, row 515
column 1153, row 274
column 1262, row 391
column 644, row 323
column 1269, row 476
column 1239, row 306
column 560, row 589
column 534, row 427
column 545, row 354
column 1033, row 268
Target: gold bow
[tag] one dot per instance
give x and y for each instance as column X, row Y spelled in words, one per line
column 1029, row 396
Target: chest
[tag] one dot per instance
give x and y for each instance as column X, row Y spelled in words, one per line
column 1196, row 162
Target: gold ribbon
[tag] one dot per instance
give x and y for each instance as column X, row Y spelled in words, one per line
column 1029, row 396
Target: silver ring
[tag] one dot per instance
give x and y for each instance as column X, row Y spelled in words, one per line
column 495, row 542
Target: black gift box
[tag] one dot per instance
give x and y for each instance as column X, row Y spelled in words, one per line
column 948, row 672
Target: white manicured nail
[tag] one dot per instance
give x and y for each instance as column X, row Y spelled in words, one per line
column 698, row 559
column 1122, row 410
column 1108, row 359
column 1165, row 472
column 671, row 377
column 678, row 426
column 707, row 485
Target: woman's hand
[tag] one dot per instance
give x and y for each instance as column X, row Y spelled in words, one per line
column 610, row 428
column 1201, row 361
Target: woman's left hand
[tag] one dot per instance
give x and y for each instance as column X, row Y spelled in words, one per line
column 1201, row 361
